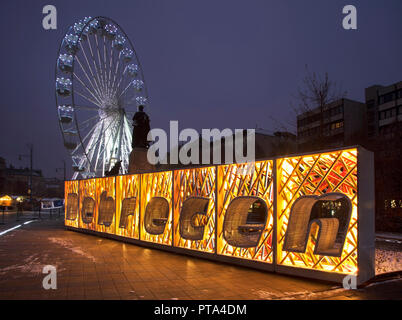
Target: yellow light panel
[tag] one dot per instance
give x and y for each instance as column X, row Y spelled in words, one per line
column 316, row 175
column 158, row 184
column 239, row 180
column 195, row 183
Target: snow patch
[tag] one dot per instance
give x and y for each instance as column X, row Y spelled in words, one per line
column 68, row 244
column 387, row 261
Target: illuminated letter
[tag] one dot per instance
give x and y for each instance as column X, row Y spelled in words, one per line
column 106, row 210
column 127, row 209
column 156, row 215
column 192, row 208
column 87, row 211
column 330, row 212
column 72, row 206
column 245, row 220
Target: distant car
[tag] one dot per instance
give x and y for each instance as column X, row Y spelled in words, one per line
column 51, row 203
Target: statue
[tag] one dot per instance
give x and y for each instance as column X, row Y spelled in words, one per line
column 138, row 157
column 115, row 170
column 141, row 129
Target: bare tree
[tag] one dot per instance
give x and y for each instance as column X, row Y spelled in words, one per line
column 316, row 92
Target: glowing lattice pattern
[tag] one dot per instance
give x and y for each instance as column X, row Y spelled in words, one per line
column 246, row 180
column 157, row 184
column 88, row 189
column 195, row 183
column 128, row 187
column 71, row 187
column 108, row 185
column 206, row 193
column 315, row 175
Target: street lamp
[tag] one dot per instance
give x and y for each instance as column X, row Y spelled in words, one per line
column 64, row 169
column 30, row 155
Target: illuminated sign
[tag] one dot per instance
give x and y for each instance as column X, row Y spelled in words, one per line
column 286, row 214
column 330, row 212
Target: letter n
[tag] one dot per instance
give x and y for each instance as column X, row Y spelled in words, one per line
column 331, row 212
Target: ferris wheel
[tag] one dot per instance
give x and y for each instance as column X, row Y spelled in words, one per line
column 99, row 84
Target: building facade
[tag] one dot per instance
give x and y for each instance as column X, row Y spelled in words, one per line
column 339, row 123
column 15, row 181
column 384, row 137
column 384, row 109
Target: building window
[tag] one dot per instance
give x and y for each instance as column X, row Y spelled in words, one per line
column 387, row 131
column 386, row 114
column 400, row 93
column 393, row 204
column 387, row 98
column 333, row 111
column 370, row 116
column 370, row 104
column 371, row 130
column 336, row 125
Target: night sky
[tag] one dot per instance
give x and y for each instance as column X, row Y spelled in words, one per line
column 207, row 63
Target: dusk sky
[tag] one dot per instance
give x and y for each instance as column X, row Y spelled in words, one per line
column 207, row 63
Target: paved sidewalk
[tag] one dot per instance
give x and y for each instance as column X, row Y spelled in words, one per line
column 89, row 267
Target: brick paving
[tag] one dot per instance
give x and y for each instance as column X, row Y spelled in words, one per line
column 89, row 267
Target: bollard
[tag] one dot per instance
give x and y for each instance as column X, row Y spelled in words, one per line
column 40, row 207
column 51, row 213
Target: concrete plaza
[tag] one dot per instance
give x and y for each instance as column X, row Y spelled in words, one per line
column 89, row 267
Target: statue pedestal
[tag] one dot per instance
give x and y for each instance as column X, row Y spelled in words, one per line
column 138, row 161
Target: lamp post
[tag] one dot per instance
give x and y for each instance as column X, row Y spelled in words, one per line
column 3, row 208
column 30, row 155
column 64, row 175
column 64, row 169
